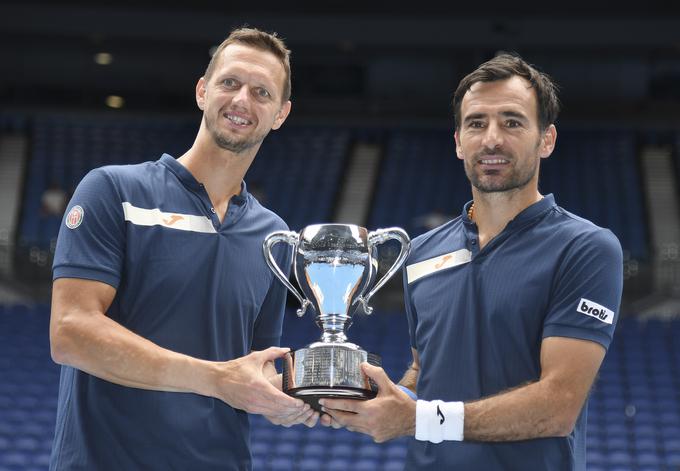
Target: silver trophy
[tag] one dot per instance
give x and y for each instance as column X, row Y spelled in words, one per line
column 336, row 266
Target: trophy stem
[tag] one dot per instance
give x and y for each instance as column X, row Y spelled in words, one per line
column 333, row 337
column 333, row 327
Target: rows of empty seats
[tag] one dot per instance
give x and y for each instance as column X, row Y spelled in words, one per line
column 633, row 415
column 592, row 173
column 420, row 175
column 297, row 170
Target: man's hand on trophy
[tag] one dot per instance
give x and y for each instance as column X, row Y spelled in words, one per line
column 389, row 415
column 243, row 383
column 308, row 416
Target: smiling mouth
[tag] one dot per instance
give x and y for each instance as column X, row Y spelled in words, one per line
column 237, row 120
column 493, row 161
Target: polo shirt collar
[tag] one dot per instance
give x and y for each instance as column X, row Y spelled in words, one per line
column 536, row 209
column 189, row 181
column 533, row 211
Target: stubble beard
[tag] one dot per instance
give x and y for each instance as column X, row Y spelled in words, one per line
column 232, row 145
column 518, row 179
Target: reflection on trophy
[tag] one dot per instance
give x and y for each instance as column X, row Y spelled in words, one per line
column 336, row 266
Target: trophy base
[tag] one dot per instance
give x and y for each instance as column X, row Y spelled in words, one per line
column 328, row 371
column 312, row 395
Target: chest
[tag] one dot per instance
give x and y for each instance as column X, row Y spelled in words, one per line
column 502, row 294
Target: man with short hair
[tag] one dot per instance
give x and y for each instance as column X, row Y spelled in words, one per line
column 511, row 306
column 163, row 306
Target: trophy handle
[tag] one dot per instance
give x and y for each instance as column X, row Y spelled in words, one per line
column 378, row 237
column 291, row 238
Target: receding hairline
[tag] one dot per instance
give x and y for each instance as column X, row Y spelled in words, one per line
column 218, row 58
column 481, row 83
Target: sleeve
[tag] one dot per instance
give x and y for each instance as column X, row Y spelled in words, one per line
column 91, row 241
column 411, row 315
column 586, row 296
column 269, row 323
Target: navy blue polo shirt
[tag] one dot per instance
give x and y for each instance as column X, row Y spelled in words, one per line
column 186, row 282
column 477, row 319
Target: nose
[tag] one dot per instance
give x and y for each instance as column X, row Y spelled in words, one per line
column 493, row 137
column 241, row 96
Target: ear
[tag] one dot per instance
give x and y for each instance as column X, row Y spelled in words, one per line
column 459, row 149
column 200, row 93
column 548, row 142
column 282, row 115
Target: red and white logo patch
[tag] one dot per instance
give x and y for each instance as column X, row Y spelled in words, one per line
column 74, row 218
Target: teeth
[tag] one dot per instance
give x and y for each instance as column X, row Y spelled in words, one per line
column 494, row 161
column 237, row 119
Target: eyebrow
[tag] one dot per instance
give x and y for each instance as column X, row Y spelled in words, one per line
column 257, row 82
column 505, row 114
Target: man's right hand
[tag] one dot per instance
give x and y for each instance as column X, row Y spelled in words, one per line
column 243, row 384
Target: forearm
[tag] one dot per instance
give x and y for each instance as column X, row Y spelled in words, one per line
column 96, row 344
column 535, row 410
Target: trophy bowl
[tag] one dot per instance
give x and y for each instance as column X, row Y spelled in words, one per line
column 336, row 267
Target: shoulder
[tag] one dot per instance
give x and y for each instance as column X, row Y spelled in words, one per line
column 126, row 174
column 445, row 238
column 120, row 175
column 583, row 236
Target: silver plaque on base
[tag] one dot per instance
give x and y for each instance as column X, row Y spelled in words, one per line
column 336, row 267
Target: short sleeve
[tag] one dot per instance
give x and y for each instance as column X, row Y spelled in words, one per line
column 91, row 242
column 269, row 323
column 586, row 296
column 411, row 316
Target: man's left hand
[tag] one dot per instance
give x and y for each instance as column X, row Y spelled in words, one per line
column 390, row 415
column 308, row 416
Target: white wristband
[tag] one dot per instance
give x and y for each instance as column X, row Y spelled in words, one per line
column 438, row 420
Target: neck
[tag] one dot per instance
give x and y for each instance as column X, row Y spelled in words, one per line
column 493, row 211
column 220, row 171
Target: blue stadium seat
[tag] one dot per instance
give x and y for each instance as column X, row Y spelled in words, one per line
column 314, row 450
column 393, row 465
column 310, row 464
column 338, row 464
column 365, row 464
column 282, row 464
column 341, row 450
column 396, row 451
column 286, row 449
column 258, row 462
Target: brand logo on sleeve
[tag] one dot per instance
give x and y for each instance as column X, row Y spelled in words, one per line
column 592, row 309
column 75, row 216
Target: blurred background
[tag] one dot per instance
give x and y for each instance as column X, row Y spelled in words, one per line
column 369, row 141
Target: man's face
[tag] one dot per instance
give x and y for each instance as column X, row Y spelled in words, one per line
column 499, row 139
column 242, row 100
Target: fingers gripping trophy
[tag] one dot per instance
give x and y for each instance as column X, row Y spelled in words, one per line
column 336, row 266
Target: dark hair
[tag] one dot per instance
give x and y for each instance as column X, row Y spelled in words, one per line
column 505, row 66
column 257, row 39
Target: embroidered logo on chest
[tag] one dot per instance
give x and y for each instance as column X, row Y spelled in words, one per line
column 156, row 217
column 418, row 270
